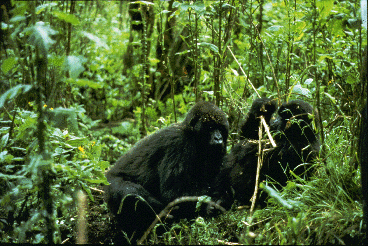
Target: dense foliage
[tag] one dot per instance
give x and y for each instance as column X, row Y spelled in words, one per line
column 82, row 81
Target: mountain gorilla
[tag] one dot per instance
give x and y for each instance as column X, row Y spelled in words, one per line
column 180, row 160
column 297, row 144
column 262, row 106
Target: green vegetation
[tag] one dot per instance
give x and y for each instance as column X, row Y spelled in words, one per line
column 79, row 87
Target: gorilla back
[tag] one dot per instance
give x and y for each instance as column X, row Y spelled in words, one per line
column 180, row 160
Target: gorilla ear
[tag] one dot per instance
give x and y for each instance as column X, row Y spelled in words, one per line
column 190, row 122
column 196, row 124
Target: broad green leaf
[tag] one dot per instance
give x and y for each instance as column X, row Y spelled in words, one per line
column 8, row 64
column 336, row 27
column 176, row 4
column 209, row 45
column 4, row 140
column 40, row 36
column 95, row 39
column 44, row 7
column 85, row 82
column 199, row 7
column 13, row 92
column 352, row 80
column 299, row 28
column 18, row 18
column 333, row 100
column 273, row 193
column 184, row 7
column 63, row 118
column 56, row 61
column 322, row 57
column 74, row 64
column 300, row 90
column 275, row 28
column 308, row 81
column 70, row 18
column 325, row 7
column 103, row 165
column 153, row 61
column 76, row 141
column 143, row 2
column 3, row 155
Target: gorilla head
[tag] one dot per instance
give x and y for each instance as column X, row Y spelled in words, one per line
column 261, row 106
column 294, row 126
column 208, row 125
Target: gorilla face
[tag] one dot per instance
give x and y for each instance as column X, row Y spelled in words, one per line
column 209, row 128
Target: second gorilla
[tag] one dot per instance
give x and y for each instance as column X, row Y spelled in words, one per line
column 180, row 160
column 297, row 145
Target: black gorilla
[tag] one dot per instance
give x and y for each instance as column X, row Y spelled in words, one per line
column 296, row 139
column 237, row 175
column 263, row 106
column 297, row 145
column 180, row 160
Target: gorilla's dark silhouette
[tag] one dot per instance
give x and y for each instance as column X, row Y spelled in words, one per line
column 180, row 160
column 262, row 106
column 297, row 144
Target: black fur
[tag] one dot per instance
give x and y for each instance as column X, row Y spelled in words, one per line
column 297, row 144
column 180, row 160
column 261, row 106
column 296, row 139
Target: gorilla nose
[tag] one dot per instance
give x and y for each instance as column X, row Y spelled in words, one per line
column 217, row 137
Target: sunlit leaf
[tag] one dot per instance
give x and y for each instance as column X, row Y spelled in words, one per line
column 273, row 193
column 70, row 18
column 8, row 64
column 85, row 82
column 209, row 46
column 40, row 36
column 331, row 97
column 13, row 92
column 298, row 89
column 143, row 2
column 325, row 7
column 43, row 7
column 74, row 64
column 95, row 39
